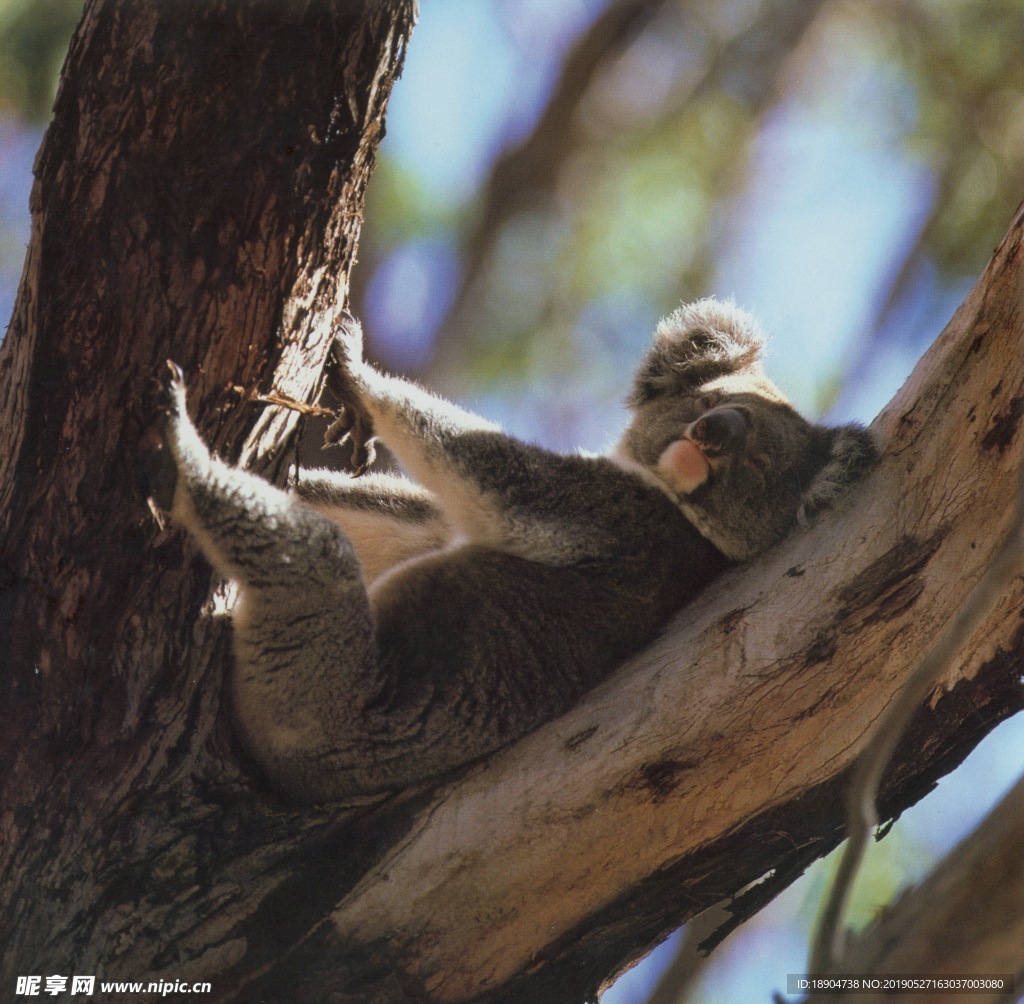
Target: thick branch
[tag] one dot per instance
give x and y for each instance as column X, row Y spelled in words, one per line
column 862, row 813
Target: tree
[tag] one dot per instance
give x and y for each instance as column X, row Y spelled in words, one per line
column 198, row 197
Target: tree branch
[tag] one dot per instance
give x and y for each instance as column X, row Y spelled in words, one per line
column 924, row 931
column 861, row 811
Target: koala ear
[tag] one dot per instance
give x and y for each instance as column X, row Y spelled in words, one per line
column 848, row 452
column 697, row 343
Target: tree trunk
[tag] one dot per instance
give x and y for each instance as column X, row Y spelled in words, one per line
column 198, row 197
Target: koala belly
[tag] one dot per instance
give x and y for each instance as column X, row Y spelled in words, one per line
column 506, row 643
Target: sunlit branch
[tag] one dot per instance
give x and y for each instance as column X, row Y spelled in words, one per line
column 829, row 940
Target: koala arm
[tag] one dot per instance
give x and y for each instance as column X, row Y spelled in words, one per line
column 295, row 571
column 492, row 489
column 388, row 519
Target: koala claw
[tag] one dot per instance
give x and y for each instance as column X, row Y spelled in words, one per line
column 353, row 423
column 172, row 396
column 177, row 375
column 158, row 468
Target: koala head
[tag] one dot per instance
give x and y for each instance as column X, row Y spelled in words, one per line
column 724, row 442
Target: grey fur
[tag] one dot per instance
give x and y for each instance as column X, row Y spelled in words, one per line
column 388, row 631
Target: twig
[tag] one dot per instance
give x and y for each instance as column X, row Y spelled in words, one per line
column 829, row 939
column 282, row 401
column 687, row 964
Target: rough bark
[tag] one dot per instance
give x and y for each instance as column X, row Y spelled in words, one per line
column 198, row 197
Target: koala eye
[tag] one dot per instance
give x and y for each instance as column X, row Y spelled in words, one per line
column 745, row 413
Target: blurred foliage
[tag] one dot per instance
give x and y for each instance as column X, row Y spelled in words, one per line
column 648, row 198
column 34, row 36
column 964, row 60
column 402, row 208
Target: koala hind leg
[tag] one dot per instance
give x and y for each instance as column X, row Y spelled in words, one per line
column 388, row 519
column 305, row 663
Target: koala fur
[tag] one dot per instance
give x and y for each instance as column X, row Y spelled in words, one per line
column 390, row 630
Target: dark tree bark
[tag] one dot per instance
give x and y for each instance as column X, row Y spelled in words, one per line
column 198, row 197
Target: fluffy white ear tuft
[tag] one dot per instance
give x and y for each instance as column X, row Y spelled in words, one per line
column 695, row 344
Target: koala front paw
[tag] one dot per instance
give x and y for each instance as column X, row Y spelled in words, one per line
column 353, row 423
column 172, row 405
column 348, row 342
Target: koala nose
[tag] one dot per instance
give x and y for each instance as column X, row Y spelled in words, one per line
column 723, row 430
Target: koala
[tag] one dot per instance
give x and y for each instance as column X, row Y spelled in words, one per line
column 390, row 629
